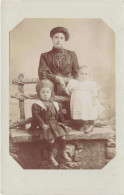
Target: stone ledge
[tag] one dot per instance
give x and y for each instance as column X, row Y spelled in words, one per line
column 110, row 152
column 104, row 133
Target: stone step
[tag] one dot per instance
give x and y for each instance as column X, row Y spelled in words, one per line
column 106, row 133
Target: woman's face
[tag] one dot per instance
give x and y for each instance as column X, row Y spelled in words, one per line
column 58, row 40
column 45, row 93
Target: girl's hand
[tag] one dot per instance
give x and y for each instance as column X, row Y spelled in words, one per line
column 45, row 127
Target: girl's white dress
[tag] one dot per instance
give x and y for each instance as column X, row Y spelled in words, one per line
column 81, row 103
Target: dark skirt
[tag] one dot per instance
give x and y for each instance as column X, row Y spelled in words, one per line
column 55, row 131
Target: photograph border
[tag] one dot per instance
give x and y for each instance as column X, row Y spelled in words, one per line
column 35, row 182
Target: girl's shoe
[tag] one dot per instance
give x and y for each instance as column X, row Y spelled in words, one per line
column 83, row 129
column 89, row 129
column 85, row 126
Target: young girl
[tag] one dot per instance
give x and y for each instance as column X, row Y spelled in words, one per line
column 46, row 114
column 84, row 104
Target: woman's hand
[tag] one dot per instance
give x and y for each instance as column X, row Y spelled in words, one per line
column 45, row 127
column 67, row 79
column 60, row 80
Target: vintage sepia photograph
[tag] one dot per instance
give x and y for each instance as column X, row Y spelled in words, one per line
column 62, row 93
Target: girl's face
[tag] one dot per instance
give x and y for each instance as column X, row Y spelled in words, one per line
column 83, row 75
column 58, row 40
column 45, row 93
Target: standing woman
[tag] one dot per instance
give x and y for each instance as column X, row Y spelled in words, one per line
column 59, row 64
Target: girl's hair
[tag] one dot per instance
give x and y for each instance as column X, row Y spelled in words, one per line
column 83, row 67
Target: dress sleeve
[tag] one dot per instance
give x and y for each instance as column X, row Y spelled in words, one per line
column 94, row 89
column 75, row 67
column 44, row 71
column 37, row 115
column 70, row 87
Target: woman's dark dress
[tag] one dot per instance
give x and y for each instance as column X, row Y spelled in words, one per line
column 50, row 117
column 48, row 65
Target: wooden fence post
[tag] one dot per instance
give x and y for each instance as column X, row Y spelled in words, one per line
column 21, row 102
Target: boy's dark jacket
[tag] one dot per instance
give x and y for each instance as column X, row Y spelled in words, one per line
column 42, row 116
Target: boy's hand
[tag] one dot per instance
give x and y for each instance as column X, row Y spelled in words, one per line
column 68, row 128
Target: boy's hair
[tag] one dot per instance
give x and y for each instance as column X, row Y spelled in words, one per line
column 44, row 83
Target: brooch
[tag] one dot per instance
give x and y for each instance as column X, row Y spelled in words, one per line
column 49, row 58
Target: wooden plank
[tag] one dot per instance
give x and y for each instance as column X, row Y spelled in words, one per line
column 22, row 80
column 21, row 102
column 22, row 96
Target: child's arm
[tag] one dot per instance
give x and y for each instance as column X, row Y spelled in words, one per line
column 94, row 100
column 69, row 88
column 94, row 94
column 62, row 118
column 61, row 115
column 38, row 119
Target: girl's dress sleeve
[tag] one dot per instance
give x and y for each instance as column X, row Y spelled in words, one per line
column 94, row 89
column 37, row 115
column 70, row 87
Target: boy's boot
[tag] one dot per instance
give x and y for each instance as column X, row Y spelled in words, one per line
column 63, row 150
column 51, row 155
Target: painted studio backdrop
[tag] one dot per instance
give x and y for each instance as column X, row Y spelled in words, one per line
column 92, row 40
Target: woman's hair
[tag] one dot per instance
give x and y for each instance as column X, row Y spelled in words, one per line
column 60, row 30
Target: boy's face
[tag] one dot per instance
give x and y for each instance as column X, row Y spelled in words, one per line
column 45, row 93
column 83, row 75
column 58, row 40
